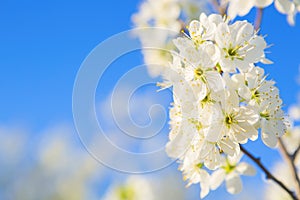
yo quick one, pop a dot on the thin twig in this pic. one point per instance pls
(289, 159)
(269, 175)
(258, 18)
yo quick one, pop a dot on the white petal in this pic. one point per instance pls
(233, 183)
(194, 27)
(239, 7)
(246, 169)
(284, 6)
(244, 33)
(229, 147)
(217, 178)
(244, 92)
(263, 3)
(248, 131)
(205, 150)
(213, 159)
(215, 18)
(223, 35)
(291, 18)
(257, 53)
(204, 190)
(266, 61)
(269, 139)
(214, 123)
(245, 7)
(179, 145)
(215, 81)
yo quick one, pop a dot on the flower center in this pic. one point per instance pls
(200, 165)
(255, 96)
(229, 119)
(228, 167)
(232, 52)
(126, 193)
(265, 115)
(207, 99)
(198, 73)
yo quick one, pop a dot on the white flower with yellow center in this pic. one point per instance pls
(204, 29)
(230, 172)
(240, 46)
(232, 120)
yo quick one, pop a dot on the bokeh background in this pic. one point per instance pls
(42, 45)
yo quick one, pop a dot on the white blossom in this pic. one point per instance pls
(230, 172)
(135, 188)
(240, 46)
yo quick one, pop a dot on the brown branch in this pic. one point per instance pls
(290, 160)
(258, 18)
(269, 175)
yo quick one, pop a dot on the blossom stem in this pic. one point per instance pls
(269, 175)
(258, 18)
(290, 160)
(218, 7)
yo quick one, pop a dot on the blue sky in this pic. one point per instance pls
(43, 43)
(42, 47)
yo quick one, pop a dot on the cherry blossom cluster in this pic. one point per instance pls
(242, 7)
(222, 99)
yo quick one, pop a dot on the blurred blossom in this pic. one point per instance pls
(135, 188)
(242, 8)
(294, 112)
(284, 174)
(169, 15)
(292, 139)
(49, 165)
(146, 187)
(53, 164)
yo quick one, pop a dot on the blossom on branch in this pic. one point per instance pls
(221, 100)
